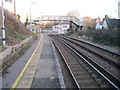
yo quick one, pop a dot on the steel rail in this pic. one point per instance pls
(117, 54)
(67, 65)
(100, 70)
(109, 59)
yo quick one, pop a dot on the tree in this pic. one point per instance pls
(18, 16)
(90, 22)
(26, 21)
(74, 13)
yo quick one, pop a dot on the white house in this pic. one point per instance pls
(32, 27)
(60, 28)
(98, 25)
(108, 24)
(105, 25)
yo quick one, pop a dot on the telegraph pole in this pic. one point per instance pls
(30, 17)
(31, 14)
(15, 7)
(3, 26)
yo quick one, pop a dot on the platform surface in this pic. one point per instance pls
(46, 75)
(37, 68)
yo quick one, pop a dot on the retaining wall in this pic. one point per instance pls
(11, 49)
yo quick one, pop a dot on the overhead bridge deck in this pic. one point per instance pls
(74, 20)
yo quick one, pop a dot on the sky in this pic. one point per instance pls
(92, 8)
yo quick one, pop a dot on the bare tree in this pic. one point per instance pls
(74, 13)
(90, 21)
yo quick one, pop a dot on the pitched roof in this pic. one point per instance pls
(113, 23)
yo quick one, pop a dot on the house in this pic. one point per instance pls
(99, 24)
(60, 28)
(113, 23)
(108, 24)
(32, 27)
(105, 24)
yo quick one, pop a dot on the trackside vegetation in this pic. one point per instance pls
(109, 37)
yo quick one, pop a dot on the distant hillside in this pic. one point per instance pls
(15, 30)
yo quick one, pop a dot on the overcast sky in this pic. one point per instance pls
(92, 8)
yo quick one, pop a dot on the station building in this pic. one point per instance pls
(60, 28)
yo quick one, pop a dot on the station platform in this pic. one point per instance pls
(43, 70)
(46, 75)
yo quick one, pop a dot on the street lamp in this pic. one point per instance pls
(3, 26)
(31, 14)
(3, 22)
(30, 17)
(15, 7)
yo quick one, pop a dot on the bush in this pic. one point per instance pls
(19, 36)
(107, 37)
(70, 32)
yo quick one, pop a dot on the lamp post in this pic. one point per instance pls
(3, 23)
(31, 13)
(30, 17)
(3, 26)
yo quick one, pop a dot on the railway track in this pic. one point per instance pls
(86, 73)
(110, 56)
(105, 62)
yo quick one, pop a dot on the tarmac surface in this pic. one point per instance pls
(46, 75)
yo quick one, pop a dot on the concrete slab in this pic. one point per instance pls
(28, 76)
(23, 86)
(25, 81)
(46, 83)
